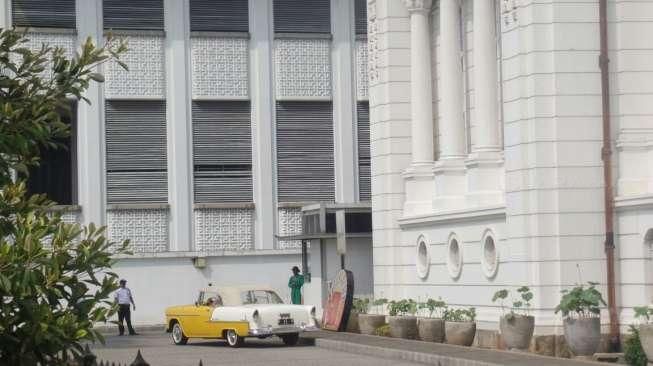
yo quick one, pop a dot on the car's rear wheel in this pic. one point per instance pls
(178, 336)
(233, 339)
(290, 339)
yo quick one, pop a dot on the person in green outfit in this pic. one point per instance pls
(295, 283)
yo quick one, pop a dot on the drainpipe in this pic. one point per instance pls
(606, 154)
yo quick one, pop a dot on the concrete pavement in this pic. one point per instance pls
(158, 350)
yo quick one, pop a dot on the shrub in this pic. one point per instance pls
(519, 306)
(402, 307)
(361, 306)
(55, 278)
(633, 352)
(435, 307)
(383, 331)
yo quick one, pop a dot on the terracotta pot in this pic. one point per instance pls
(352, 323)
(583, 335)
(517, 330)
(403, 327)
(430, 329)
(646, 339)
(460, 333)
(367, 323)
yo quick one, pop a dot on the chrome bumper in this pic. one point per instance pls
(268, 331)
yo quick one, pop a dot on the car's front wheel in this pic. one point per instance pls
(178, 336)
(290, 339)
(233, 339)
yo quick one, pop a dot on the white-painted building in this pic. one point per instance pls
(233, 116)
(486, 144)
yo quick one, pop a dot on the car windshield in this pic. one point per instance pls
(260, 297)
(210, 298)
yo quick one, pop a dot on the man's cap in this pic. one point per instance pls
(123, 281)
(295, 269)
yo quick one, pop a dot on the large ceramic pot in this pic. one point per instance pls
(517, 330)
(430, 329)
(460, 333)
(646, 338)
(352, 323)
(403, 327)
(583, 335)
(368, 323)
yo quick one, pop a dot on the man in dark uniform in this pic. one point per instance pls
(124, 299)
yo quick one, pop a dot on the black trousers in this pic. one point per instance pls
(124, 312)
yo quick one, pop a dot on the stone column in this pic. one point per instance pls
(178, 102)
(485, 77)
(419, 176)
(452, 125)
(344, 106)
(261, 81)
(91, 193)
(485, 163)
(420, 81)
(450, 183)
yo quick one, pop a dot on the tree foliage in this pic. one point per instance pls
(55, 277)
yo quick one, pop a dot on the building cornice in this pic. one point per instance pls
(624, 203)
(448, 217)
(418, 6)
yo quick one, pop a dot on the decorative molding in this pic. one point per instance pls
(220, 67)
(448, 217)
(372, 44)
(224, 229)
(418, 6)
(362, 79)
(509, 11)
(146, 229)
(146, 77)
(290, 223)
(623, 203)
(303, 67)
(209, 254)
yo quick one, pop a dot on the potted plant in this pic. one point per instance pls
(358, 306)
(402, 319)
(460, 326)
(516, 326)
(431, 328)
(645, 330)
(582, 318)
(368, 323)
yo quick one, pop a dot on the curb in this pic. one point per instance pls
(113, 329)
(396, 354)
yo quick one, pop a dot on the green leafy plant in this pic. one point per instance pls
(55, 278)
(402, 307)
(379, 304)
(581, 302)
(633, 351)
(520, 306)
(361, 306)
(644, 313)
(434, 307)
(460, 315)
(383, 331)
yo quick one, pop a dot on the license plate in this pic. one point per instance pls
(285, 319)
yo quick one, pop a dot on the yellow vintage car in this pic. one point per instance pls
(235, 313)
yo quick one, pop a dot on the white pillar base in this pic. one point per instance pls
(450, 184)
(485, 179)
(418, 185)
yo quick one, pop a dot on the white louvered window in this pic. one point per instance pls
(219, 16)
(222, 151)
(301, 16)
(364, 157)
(136, 160)
(43, 13)
(305, 162)
(134, 15)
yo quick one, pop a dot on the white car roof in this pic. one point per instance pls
(231, 294)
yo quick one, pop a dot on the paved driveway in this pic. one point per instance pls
(158, 350)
